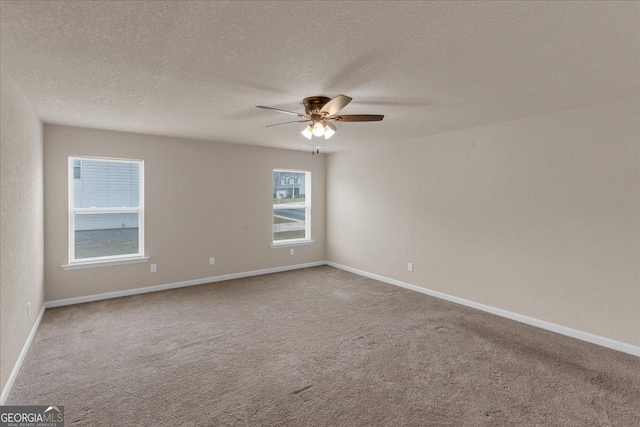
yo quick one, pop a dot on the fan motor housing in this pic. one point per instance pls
(314, 103)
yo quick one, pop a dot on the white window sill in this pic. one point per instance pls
(105, 263)
(287, 244)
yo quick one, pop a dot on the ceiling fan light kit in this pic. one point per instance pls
(329, 130)
(318, 129)
(322, 112)
(307, 132)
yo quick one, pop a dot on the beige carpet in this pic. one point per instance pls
(316, 347)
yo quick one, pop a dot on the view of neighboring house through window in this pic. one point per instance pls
(106, 202)
(291, 206)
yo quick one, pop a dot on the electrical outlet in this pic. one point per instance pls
(212, 261)
(154, 268)
(291, 251)
(28, 309)
(410, 266)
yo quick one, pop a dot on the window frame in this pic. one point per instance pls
(72, 211)
(306, 206)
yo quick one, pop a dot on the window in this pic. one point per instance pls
(291, 206)
(106, 209)
(77, 171)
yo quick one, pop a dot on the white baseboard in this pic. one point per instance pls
(23, 353)
(563, 330)
(109, 295)
(136, 291)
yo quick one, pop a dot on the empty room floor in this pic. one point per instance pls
(321, 347)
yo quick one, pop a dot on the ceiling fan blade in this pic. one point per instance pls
(335, 105)
(357, 118)
(288, 123)
(282, 111)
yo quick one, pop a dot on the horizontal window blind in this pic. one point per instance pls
(105, 184)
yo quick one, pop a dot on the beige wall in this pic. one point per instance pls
(202, 199)
(538, 216)
(21, 219)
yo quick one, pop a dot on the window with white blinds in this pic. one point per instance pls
(106, 209)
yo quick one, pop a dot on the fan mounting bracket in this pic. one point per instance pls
(313, 104)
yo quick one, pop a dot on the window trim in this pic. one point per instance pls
(306, 206)
(71, 211)
(93, 264)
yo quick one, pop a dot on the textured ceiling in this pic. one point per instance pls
(198, 69)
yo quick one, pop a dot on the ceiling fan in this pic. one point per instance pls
(321, 112)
